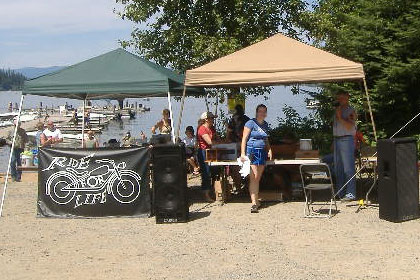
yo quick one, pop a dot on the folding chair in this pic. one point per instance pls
(316, 177)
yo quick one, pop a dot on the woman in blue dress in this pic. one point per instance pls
(256, 147)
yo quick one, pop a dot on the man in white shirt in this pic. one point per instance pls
(51, 135)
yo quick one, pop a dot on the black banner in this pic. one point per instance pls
(93, 182)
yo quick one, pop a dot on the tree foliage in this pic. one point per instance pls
(10, 80)
(294, 127)
(384, 35)
(185, 34)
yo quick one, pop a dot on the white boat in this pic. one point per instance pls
(28, 117)
(8, 117)
(97, 116)
(65, 135)
(5, 123)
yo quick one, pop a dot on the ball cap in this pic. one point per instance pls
(207, 115)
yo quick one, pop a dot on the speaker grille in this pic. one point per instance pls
(167, 171)
(407, 180)
(168, 199)
(398, 179)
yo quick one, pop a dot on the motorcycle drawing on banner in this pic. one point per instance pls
(110, 178)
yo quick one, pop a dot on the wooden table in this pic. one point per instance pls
(28, 168)
(222, 171)
(269, 162)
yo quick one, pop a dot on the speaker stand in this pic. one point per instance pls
(364, 204)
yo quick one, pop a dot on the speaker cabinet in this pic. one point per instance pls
(170, 193)
(398, 185)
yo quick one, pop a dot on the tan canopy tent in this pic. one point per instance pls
(274, 61)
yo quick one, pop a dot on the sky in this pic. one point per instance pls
(42, 33)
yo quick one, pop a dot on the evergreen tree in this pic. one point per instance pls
(10, 80)
(384, 35)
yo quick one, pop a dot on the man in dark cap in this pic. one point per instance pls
(236, 125)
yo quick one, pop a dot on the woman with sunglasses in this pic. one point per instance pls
(256, 147)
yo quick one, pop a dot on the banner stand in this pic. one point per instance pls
(83, 121)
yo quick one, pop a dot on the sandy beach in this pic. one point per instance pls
(220, 242)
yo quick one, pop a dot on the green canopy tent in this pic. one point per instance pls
(113, 75)
(117, 74)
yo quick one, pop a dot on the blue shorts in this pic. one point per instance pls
(257, 156)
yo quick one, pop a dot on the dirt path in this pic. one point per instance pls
(221, 242)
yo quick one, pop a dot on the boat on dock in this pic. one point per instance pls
(6, 119)
(125, 114)
(4, 123)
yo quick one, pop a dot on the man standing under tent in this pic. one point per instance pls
(344, 130)
(20, 142)
(236, 125)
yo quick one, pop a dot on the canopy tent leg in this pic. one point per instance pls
(370, 109)
(178, 127)
(171, 116)
(10, 157)
(83, 122)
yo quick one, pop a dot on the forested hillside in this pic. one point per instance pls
(10, 80)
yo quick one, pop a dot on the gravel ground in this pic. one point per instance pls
(221, 242)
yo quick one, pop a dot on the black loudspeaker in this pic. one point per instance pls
(398, 185)
(170, 193)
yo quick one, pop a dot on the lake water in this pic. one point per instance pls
(193, 108)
